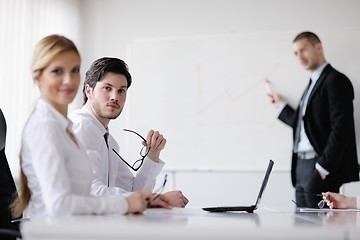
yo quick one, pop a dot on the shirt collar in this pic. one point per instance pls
(96, 121)
(316, 74)
(53, 113)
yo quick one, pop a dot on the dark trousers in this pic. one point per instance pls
(309, 184)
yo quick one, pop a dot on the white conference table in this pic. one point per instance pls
(194, 223)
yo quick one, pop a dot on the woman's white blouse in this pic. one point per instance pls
(58, 171)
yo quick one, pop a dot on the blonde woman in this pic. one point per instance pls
(56, 173)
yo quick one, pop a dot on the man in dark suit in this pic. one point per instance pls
(324, 153)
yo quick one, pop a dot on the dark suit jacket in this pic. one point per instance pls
(329, 125)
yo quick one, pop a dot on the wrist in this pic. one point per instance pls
(154, 157)
(351, 202)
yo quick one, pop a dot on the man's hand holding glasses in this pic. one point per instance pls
(155, 142)
(152, 147)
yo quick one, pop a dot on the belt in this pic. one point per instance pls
(306, 155)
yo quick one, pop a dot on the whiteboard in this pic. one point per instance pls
(206, 95)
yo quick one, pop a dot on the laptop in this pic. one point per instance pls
(251, 208)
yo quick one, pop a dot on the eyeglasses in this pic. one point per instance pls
(158, 191)
(320, 204)
(143, 153)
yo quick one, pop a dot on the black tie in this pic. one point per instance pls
(106, 135)
(299, 119)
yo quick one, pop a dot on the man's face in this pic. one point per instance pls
(309, 55)
(108, 97)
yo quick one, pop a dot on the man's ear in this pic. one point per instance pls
(319, 47)
(88, 91)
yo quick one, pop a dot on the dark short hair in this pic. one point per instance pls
(312, 37)
(100, 67)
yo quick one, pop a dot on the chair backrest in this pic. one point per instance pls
(8, 190)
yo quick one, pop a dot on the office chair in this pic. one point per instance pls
(8, 190)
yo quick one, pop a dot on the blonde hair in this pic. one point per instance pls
(45, 51)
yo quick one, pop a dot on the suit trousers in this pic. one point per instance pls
(309, 185)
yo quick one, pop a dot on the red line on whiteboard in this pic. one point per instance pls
(226, 94)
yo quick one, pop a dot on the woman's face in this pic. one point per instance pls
(59, 81)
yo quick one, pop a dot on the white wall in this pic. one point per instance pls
(110, 26)
(22, 24)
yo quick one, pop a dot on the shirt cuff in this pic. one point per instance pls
(152, 168)
(281, 107)
(321, 169)
(358, 202)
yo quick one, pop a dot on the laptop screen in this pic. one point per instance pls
(265, 181)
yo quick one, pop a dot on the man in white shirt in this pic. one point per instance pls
(105, 89)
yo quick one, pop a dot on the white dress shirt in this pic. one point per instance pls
(304, 143)
(58, 170)
(111, 174)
